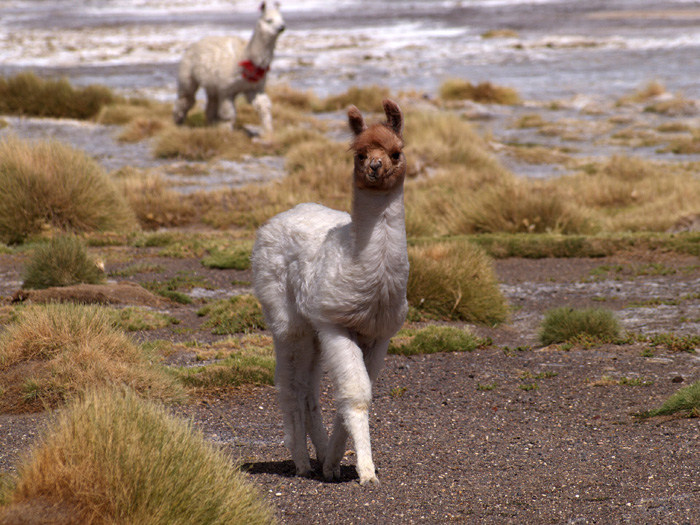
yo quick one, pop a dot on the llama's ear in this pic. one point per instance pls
(394, 116)
(357, 123)
(262, 7)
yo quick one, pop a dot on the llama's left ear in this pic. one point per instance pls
(262, 7)
(357, 123)
(394, 116)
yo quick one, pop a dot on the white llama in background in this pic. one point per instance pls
(227, 66)
(333, 291)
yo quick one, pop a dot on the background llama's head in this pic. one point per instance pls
(379, 160)
(270, 22)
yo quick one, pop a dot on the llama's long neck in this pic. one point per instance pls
(378, 225)
(260, 49)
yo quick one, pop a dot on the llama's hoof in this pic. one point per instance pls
(372, 481)
(304, 471)
(331, 473)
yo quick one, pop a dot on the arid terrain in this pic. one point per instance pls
(510, 433)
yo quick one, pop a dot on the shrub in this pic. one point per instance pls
(63, 261)
(236, 258)
(365, 98)
(687, 399)
(433, 339)
(455, 280)
(240, 313)
(203, 143)
(50, 184)
(55, 351)
(522, 207)
(565, 323)
(484, 92)
(114, 458)
(155, 205)
(28, 95)
(249, 360)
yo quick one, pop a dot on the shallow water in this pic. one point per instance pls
(562, 48)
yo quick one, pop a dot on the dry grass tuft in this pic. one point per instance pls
(652, 90)
(113, 458)
(55, 351)
(28, 95)
(525, 207)
(203, 143)
(455, 280)
(142, 128)
(365, 98)
(485, 92)
(48, 184)
(156, 206)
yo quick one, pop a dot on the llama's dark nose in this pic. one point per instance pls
(281, 28)
(375, 164)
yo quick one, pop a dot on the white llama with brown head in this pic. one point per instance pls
(333, 290)
(226, 66)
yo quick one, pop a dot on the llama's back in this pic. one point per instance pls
(211, 62)
(285, 262)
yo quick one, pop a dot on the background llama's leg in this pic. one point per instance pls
(293, 373)
(227, 110)
(314, 419)
(261, 103)
(212, 109)
(185, 101)
(345, 363)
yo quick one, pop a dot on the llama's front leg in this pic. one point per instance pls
(345, 364)
(261, 103)
(227, 111)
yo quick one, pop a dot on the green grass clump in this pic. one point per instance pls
(237, 258)
(434, 339)
(132, 319)
(51, 185)
(63, 261)
(485, 92)
(246, 368)
(455, 280)
(55, 351)
(565, 324)
(113, 458)
(687, 399)
(28, 95)
(238, 314)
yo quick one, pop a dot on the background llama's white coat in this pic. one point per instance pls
(333, 291)
(227, 66)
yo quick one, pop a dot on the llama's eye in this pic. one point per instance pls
(396, 156)
(361, 157)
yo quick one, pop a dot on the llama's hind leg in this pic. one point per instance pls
(292, 377)
(314, 419)
(346, 366)
(185, 101)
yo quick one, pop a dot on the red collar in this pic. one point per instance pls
(251, 72)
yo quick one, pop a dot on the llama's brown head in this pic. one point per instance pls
(379, 160)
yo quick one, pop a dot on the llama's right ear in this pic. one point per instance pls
(357, 123)
(394, 116)
(262, 7)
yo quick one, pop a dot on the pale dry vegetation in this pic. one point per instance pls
(115, 458)
(53, 352)
(48, 185)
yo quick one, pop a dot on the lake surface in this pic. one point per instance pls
(562, 48)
